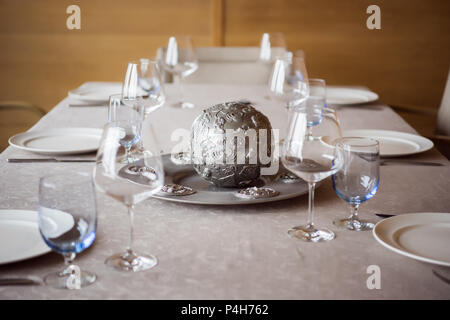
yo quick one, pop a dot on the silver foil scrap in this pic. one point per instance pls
(257, 193)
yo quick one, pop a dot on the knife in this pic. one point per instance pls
(381, 215)
(26, 160)
(20, 282)
(89, 105)
(411, 162)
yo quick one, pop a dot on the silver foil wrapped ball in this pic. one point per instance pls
(225, 140)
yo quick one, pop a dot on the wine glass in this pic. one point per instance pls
(315, 103)
(180, 60)
(272, 45)
(288, 82)
(130, 116)
(129, 183)
(68, 223)
(312, 157)
(358, 179)
(143, 85)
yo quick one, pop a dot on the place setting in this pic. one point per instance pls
(236, 153)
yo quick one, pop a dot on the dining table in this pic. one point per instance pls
(236, 251)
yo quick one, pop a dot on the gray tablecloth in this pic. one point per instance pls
(215, 252)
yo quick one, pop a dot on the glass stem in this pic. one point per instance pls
(311, 187)
(354, 211)
(130, 239)
(127, 153)
(309, 132)
(68, 260)
(177, 79)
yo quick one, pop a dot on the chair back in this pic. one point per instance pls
(226, 65)
(443, 119)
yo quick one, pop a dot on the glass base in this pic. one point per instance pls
(64, 280)
(354, 224)
(311, 234)
(131, 261)
(184, 105)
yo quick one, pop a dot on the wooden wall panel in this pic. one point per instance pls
(40, 59)
(406, 61)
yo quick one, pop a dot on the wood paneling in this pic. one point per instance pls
(406, 61)
(40, 59)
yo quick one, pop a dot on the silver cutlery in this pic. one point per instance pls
(28, 160)
(381, 215)
(441, 277)
(26, 281)
(384, 162)
(88, 105)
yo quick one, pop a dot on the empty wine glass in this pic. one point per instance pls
(358, 179)
(288, 82)
(311, 157)
(129, 183)
(130, 117)
(272, 46)
(180, 60)
(68, 222)
(143, 85)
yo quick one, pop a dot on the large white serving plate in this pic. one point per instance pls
(394, 143)
(348, 96)
(95, 92)
(421, 236)
(60, 141)
(19, 236)
(208, 194)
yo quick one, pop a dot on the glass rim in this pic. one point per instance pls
(317, 80)
(87, 176)
(339, 143)
(146, 60)
(300, 109)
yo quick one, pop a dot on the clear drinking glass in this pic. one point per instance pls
(68, 223)
(143, 85)
(272, 46)
(130, 116)
(288, 82)
(311, 156)
(129, 183)
(180, 60)
(358, 179)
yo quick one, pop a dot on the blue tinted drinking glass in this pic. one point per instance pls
(358, 179)
(67, 223)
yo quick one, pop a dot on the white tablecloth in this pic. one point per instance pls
(215, 252)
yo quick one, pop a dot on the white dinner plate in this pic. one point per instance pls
(421, 236)
(394, 143)
(19, 236)
(60, 141)
(95, 92)
(348, 96)
(208, 194)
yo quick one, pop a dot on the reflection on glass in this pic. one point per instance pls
(272, 46)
